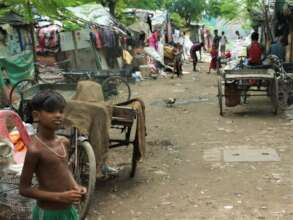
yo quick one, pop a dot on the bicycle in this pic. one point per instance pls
(115, 88)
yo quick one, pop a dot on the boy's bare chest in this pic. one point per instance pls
(51, 161)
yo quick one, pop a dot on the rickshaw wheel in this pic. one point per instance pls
(116, 90)
(275, 96)
(85, 174)
(16, 93)
(220, 95)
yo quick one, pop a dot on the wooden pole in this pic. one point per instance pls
(32, 33)
(75, 50)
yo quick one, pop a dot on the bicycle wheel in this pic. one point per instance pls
(17, 91)
(85, 174)
(116, 90)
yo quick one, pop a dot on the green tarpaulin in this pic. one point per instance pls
(18, 67)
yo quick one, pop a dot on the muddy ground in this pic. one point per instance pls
(184, 175)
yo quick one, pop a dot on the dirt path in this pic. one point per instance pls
(184, 175)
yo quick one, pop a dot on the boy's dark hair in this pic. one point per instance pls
(223, 32)
(48, 100)
(254, 36)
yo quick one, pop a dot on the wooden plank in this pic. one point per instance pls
(249, 76)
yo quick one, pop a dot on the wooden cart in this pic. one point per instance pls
(234, 86)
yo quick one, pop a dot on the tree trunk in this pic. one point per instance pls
(112, 6)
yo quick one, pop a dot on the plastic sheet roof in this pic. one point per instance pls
(159, 17)
(96, 13)
(12, 19)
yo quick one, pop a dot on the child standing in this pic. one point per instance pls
(214, 60)
(47, 159)
(177, 52)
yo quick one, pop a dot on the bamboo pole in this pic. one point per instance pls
(32, 33)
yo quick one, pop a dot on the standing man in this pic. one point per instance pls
(223, 42)
(149, 21)
(239, 37)
(195, 47)
(216, 40)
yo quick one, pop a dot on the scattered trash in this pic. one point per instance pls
(226, 130)
(228, 207)
(160, 172)
(166, 203)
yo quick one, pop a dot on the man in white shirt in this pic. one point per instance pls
(223, 42)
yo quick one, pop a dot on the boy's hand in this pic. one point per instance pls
(82, 190)
(71, 196)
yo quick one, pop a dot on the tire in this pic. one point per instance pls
(220, 96)
(116, 90)
(16, 93)
(85, 175)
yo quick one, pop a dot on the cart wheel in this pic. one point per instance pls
(275, 96)
(85, 174)
(116, 90)
(220, 96)
(16, 93)
(135, 156)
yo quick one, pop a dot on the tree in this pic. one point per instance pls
(230, 9)
(188, 9)
(145, 4)
(50, 8)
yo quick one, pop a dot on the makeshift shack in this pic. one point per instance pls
(195, 32)
(95, 47)
(99, 47)
(16, 55)
(148, 59)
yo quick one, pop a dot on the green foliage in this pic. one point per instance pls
(177, 19)
(50, 8)
(230, 9)
(145, 4)
(188, 9)
(213, 9)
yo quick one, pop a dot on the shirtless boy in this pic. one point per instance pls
(47, 158)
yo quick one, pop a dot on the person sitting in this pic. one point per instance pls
(254, 51)
(277, 48)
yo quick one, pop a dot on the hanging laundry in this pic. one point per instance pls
(109, 39)
(98, 41)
